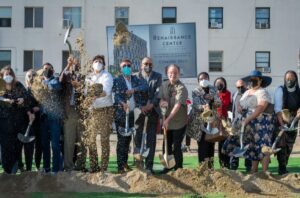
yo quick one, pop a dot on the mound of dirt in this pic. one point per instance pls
(194, 181)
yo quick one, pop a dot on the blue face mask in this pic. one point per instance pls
(126, 71)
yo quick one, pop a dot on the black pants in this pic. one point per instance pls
(174, 139)
(28, 151)
(205, 149)
(123, 143)
(10, 146)
(151, 136)
(224, 159)
(187, 140)
(286, 145)
(234, 164)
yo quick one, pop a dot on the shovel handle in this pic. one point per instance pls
(277, 139)
(145, 124)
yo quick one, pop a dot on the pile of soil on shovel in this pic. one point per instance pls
(193, 181)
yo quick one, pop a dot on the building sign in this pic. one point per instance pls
(165, 43)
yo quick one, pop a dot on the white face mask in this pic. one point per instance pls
(97, 66)
(8, 79)
(204, 83)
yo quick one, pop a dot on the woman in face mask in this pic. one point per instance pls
(13, 120)
(259, 120)
(225, 97)
(205, 97)
(287, 96)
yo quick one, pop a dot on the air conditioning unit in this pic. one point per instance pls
(215, 25)
(265, 69)
(66, 23)
(262, 25)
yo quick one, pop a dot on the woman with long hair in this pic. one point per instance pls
(13, 120)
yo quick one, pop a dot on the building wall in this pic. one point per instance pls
(238, 39)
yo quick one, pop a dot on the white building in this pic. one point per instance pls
(233, 36)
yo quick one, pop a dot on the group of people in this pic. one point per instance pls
(139, 102)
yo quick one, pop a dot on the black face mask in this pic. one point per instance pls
(48, 73)
(148, 69)
(220, 87)
(253, 83)
(241, 90)
(290, 83)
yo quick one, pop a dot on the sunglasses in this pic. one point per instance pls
(239, 87)
(147, 64)
(126, 66)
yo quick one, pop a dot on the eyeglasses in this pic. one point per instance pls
(126, 66)
(147, 64)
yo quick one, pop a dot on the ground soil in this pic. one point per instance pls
(193, 181)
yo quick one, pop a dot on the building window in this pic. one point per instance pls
(262, 61)
(262, 18)
(33, 59)
(121, 15)
(5, 58)
(169, 15)
(215, 61)
(65, 56)
(72, 15)
(215, 18)
(5, 16)
(33, 17)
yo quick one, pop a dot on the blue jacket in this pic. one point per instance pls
(119, 90)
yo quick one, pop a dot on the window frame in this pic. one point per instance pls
(11, 10)
(210, 18)
(6, 50)
(162, 15)
(120, 18)
(269, 62)
(71, 7)
(76, 54)
(33, 17)
(222, 61)
(256, 18)
(32, 60)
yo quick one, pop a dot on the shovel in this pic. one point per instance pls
(168, 161)
(240, 151)
(66, 41)
(25, 138)
(144, 151)
(272, 150)
(126, 131)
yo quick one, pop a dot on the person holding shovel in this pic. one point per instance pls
(287, 96)
(259, 120)
(150, 110)
(205, 98)
(173, 95)
(14, 105)
(128, 92)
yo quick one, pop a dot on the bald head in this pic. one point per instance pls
(240, 83)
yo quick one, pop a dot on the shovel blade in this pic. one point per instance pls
(169, 161)
(145, 152)
(25, 139)
(239, 152)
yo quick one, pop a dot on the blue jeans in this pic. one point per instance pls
(51, 131)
